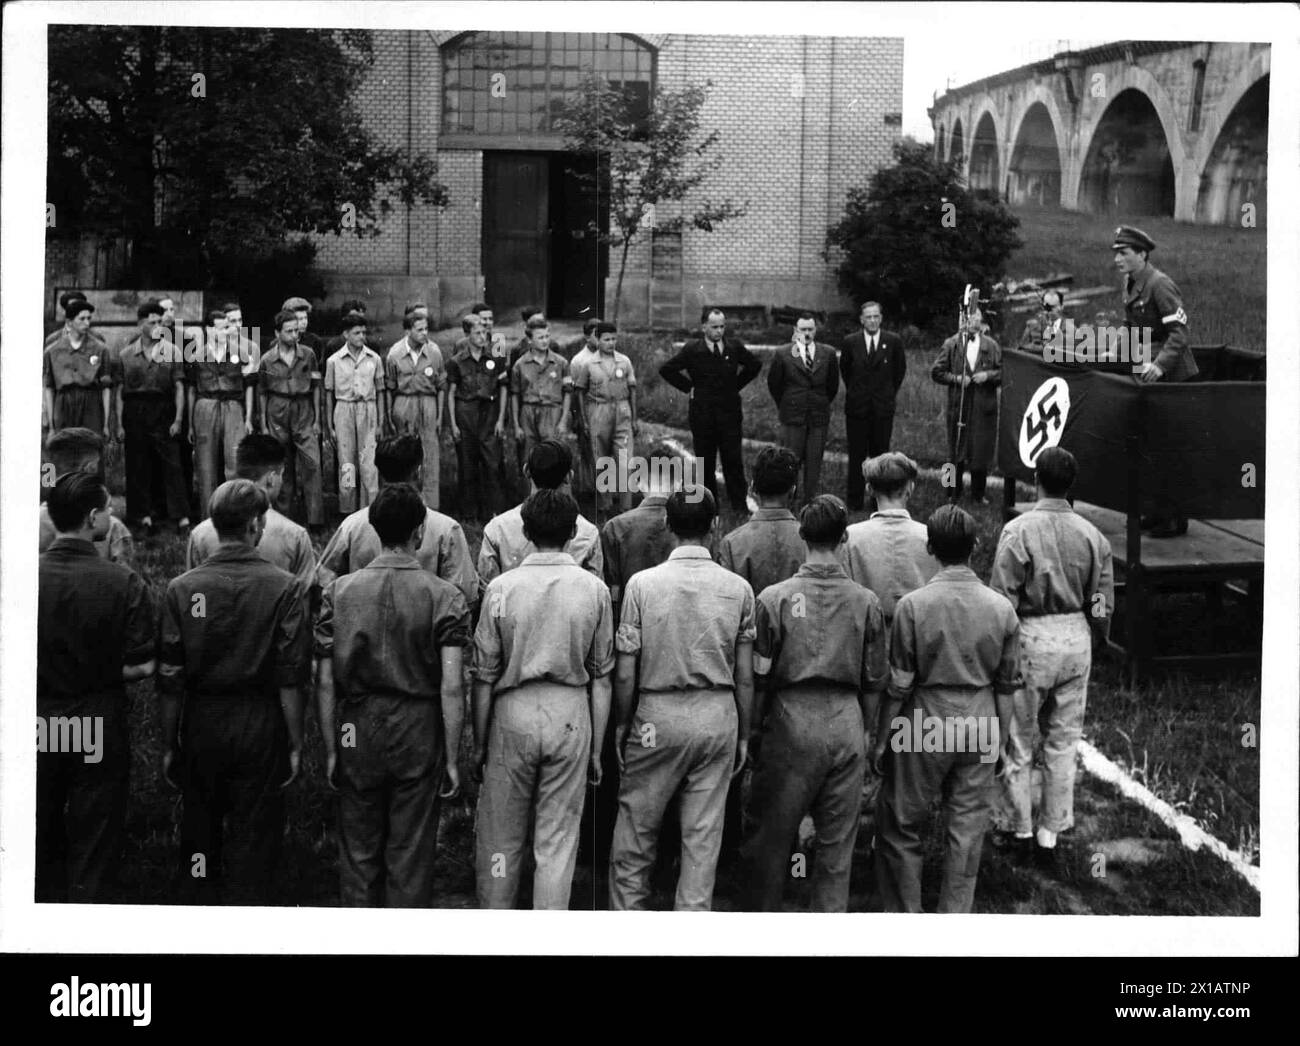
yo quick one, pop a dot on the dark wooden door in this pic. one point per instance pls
(578, 258)
(516, 244)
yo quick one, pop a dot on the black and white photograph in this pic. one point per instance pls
(810, 462)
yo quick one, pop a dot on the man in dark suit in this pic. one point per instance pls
(803, 379)
(714, 369)
(970, 364)
(873, 365)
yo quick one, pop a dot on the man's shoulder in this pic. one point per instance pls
(281, 524)
(586, 528)
(439, 522)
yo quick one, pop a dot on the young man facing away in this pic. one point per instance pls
(683, 690)
(543, 654)
(81, 450)
(390, 638)
(954, 666)
(505, 545)
(1057, 570)
(234, 652)
(767, 548)
(94, 634)
(820, 658)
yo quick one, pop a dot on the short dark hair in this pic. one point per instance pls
(691, 511)
(235, 504)
(398, 457)
(480, 306)
(216, 314)
(867, 304)
(549, 463)
(890, 472)
(350, 320)
(806, 316)
(1055, 470)
(152, 307)
(951, 533)
(232, 306)
(413, 316)
(776, 470)
(605, 328)
(529, 311)
(589, 325)
(396, 513)
(285, 316)
(469, 321)
(73, 498)
(353, 305)
(823, 520)
(69, 450)
(68, 297)
(709, 311)
(79, 305)
(549, 517)
(258, 454)
(537, 323)
(414, 306)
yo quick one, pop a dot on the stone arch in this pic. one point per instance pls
(1128, 168)
(1235, 172)
(983, 165)
(957, 145)
(1035, 171)
(1212, 126)
(1135, 81)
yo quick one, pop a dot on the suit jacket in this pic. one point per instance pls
(870, 385)
(714, 384)
(979, 408)
(803, 396)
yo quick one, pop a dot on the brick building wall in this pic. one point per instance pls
(774, 99)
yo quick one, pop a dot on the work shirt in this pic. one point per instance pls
(820, 628)
(295, 378)
(284, 543)
(385, 626)
(85, 367)
(253, 636)
(765, 550)
(542, 381)
(147, 368)
(604, 377)
(477, 379)
(684, 618)
(634, 541)
(886, 554)
(62, 332)
(504, 545)
(547, 621)
(1051, 560)
(408, 373)
(117, 545)
(221, 371)
(954, 633)
(353, 378)
(92, 618)
(444, 552)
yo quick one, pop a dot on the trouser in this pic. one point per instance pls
(868, 436)
(682, 741)
(81, 806)
(234, 759)
(78, 407)
(808, 442)
(913, 780)
(478, 458)
(218, 428)
(978, 480)
(1055, 661)
(289, 422)
(388, 781)
(355, 422)
(584, 467)
(539, 421)
(539, 748)
(813, 759)
(715, 435)
(418, 416)
(609, 430)
(152, 456)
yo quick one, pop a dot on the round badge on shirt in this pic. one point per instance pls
(428, 372)
(553, 374)
(618, 373)
(94, 360)
(490, 365)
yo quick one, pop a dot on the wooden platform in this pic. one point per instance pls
(1226, 547)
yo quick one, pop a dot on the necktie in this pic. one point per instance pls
(808, 356)
(871, 348)
(717, 349)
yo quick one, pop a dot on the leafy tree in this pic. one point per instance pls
(642, 160)
(211, 148)
(917, 235)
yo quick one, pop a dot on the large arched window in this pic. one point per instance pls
(511, 83)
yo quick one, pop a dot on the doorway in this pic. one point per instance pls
(537, 246)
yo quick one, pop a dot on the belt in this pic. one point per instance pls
(290, 395)
(237, 394)
(359, 399)
(146, 395)
(475, 399)
(680, 690)
(416, 395)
